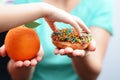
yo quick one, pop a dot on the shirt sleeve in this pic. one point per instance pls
(102, 16)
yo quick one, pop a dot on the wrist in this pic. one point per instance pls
(45, 9)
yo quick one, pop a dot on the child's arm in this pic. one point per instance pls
(15, 15)
(88, 63)
(89, 66)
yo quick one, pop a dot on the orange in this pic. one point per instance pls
(22, 43)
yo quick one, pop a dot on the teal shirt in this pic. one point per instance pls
(55, 67)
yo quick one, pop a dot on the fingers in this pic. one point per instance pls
(40, 56)
(82, 25)
(92, 45)
(51, 24)
(73, 21)
(56, 51)
(78, 24)
(2, 51)
(74, 53)
(80, 53)
(33, 62)
(26, 63)
(63, 51)
(18, 64)
(70, 52)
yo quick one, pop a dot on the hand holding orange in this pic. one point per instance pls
(22, 43)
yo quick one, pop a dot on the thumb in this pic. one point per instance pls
(92, 45)
(2, 51)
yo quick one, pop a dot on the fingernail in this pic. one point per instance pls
(89, 31)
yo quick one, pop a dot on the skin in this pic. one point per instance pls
(16, 15)
(87, 63)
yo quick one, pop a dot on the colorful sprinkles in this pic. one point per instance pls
(70, 35)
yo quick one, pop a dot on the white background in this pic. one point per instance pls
(111, 65)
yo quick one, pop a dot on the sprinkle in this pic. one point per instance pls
(70, 35)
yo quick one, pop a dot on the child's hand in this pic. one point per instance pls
(58, 15)
(73, 53)
(24, 68)
(2, 51)
(68, 19)
(32, 62)
(26, 63)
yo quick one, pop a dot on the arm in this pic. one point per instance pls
(19, 73)
(89, 67)
(88, 63)
(15, 15)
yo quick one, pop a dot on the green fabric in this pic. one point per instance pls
(56, 67)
